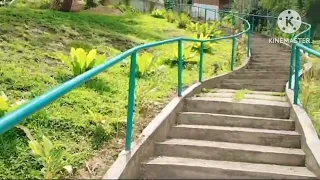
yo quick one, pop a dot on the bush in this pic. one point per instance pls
(205, 30)
(170, 16)
(182, 20)
(157, 13)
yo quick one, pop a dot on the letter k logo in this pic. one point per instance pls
(288, 21)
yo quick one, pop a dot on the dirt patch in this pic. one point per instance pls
(104, 10)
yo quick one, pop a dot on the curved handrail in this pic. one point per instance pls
(296, 47)
(13, 118)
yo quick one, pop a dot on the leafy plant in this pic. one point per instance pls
(170, 16)
(157, 13)
(182, 20)
(4, 106)
(187, 56)
(207, 48)
(80, 61)
(146, 64)
(51, 156)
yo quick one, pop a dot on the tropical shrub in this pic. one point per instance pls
(80, 61)
(157, 13)
(182, 20)
(187, 56)
(170, 16)
(146, 64)
(51, 156)
(205, 29)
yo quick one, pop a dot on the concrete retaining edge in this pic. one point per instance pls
(127, 165)
(310, 142)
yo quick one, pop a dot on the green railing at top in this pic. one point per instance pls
(13, 118)
(256, 22)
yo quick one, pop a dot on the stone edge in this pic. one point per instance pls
(310, 142)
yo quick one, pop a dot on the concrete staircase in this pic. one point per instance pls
(220, 136)
(268, 69)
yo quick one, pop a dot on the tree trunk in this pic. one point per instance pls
(66, 5)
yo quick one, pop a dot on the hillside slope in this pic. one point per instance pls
(29, 42)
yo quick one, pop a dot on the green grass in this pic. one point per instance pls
(30, 40)
(310, 93)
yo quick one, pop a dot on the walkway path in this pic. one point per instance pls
(218, 138)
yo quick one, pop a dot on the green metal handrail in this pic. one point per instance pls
(13, 118)
(296, 47)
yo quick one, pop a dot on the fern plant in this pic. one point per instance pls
(182, 20)
(157, 13)
(80, 61)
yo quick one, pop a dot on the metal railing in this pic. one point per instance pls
(13, 118)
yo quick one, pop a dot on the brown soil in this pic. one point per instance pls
(104, 10)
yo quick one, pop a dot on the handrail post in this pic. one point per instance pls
(309, 36)
(293, 45)
(248, 42)
(180, 54)
(296, 76)
(131, 100)
(252, 24)
(201, 62)
(233, 52)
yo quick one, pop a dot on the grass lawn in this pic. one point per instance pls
(30, 41)
(310, 93)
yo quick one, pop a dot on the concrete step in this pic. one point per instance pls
(247, 95)
(268, 66)
(256, 81)
(210, 119)
(187, 168)
(280, 62)
(265, 137)
(225, 151)
(282, 56)
(245, 107)
(252, 92)
(259, 76)
(265, 71)
(254, 87)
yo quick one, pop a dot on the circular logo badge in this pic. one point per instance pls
(289, 21)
